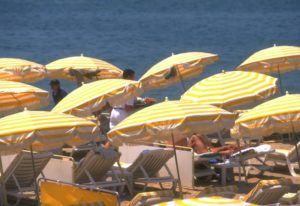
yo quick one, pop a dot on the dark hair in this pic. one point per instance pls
(54, 82)
(128, 73)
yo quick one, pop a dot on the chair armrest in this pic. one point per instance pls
(62, 157)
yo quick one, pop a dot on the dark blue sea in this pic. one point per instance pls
(136, 34)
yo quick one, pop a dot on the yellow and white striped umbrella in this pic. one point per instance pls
(280, 115)
(21, 70)
(232, 89)
(92, 97)
(15, 96)
(272, 60)
(160, 121)
(44, 130)
(60, 69)
(176, 68)
(203, 201)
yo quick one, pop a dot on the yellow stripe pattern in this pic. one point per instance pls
(180, 118)
(15, 96)
(21, 70)
(142, 197)
(60, 68)
(44, 130)
(188, 65)
(264, 184)
(211, 201)
(231, 89)
(91, 97)
(280, 115)
(270, 60)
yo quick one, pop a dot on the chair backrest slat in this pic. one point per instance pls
(96, 164)
(269, 195)
(152, 161)
(21, 168)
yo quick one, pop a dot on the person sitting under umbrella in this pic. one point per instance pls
(122, 111)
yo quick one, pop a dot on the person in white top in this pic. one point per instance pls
(120, 112)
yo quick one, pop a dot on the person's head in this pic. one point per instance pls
(55, 84)
(128, 74)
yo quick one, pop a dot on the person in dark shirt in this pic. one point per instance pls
(57, 92)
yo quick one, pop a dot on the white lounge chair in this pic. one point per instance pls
(285, 157)
(246, 156)
(203, 161)
(241, 159)
(258, 152)
(19, 177)
(145, 168)
(93, 169)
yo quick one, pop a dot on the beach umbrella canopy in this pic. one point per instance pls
(280, 115)
(44, 131)
(276, 59)
(232, 89)
(41, 131)
(272, 60)
(160, 121)
(206, 201)
(92, 97)
(176, 68)
(66, 68)
(15, 96)
(20, 70)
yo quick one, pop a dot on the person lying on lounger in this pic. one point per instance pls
(201, 144)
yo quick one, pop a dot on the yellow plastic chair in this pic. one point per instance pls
(65, 194)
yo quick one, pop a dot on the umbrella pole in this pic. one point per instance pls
(34, 174)
(177, 168)
(296, 145)
(181, 80)
(183, 85)
(280, 83)
(4, 197)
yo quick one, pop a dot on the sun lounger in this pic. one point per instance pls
(79, 152)
(266, 192)
(146, 166)
(55, 193)
(93, 169)
(150, 198)
(241, 159)
(286, 157)
(246, 156)
(19, 177)
(202, 161)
